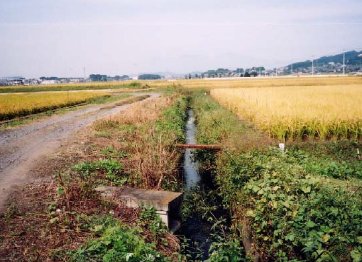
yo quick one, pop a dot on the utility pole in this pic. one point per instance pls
(344, 62)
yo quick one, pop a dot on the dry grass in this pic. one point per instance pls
(144, 112)
(152, 161)
(13, 105)
(299, 112)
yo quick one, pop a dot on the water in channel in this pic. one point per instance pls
(195, 230)
(192, 177)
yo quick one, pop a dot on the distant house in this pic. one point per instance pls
(49, 82)
(75, 79)
(12, 81)
(118, 78)
(30, 82)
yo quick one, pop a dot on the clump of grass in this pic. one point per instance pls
(108, 169)
(117, 242)
(147, 239)
(146, 133)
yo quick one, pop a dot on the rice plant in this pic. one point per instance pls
(14, 105)
(292, 113)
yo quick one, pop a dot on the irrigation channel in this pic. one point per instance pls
(195, 228)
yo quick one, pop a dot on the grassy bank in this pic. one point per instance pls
(146, 135)
(282, 206)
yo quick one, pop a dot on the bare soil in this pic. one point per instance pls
(27, 149)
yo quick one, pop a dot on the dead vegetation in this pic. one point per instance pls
(151, 161)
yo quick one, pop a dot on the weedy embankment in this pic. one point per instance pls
(284, 205)
(66, 219)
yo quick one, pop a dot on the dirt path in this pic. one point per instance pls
(21, 148)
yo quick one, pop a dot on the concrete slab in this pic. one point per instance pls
(166, 203)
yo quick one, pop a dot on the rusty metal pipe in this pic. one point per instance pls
(198, 146)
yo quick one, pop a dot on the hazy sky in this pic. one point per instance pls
(60, 37)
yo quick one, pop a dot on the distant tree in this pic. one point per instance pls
(125, 77)
(259, 68)
(149, 77)
(239, 70)
(211, 72)
(49, 78)
(222, 71)
(98, 77)
(246, 74)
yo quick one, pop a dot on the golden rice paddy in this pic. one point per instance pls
(298, 112)
(13, 105)
(247, 82)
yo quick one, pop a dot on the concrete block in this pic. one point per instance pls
(166, 203)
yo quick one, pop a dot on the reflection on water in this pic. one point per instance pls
(192, 177)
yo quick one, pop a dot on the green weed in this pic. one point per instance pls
(111, 169)
(294, 213)
(116, 242)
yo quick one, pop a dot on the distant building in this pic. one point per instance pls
(31, 82)
(49, 82)
(12, 81)
(74, 80)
